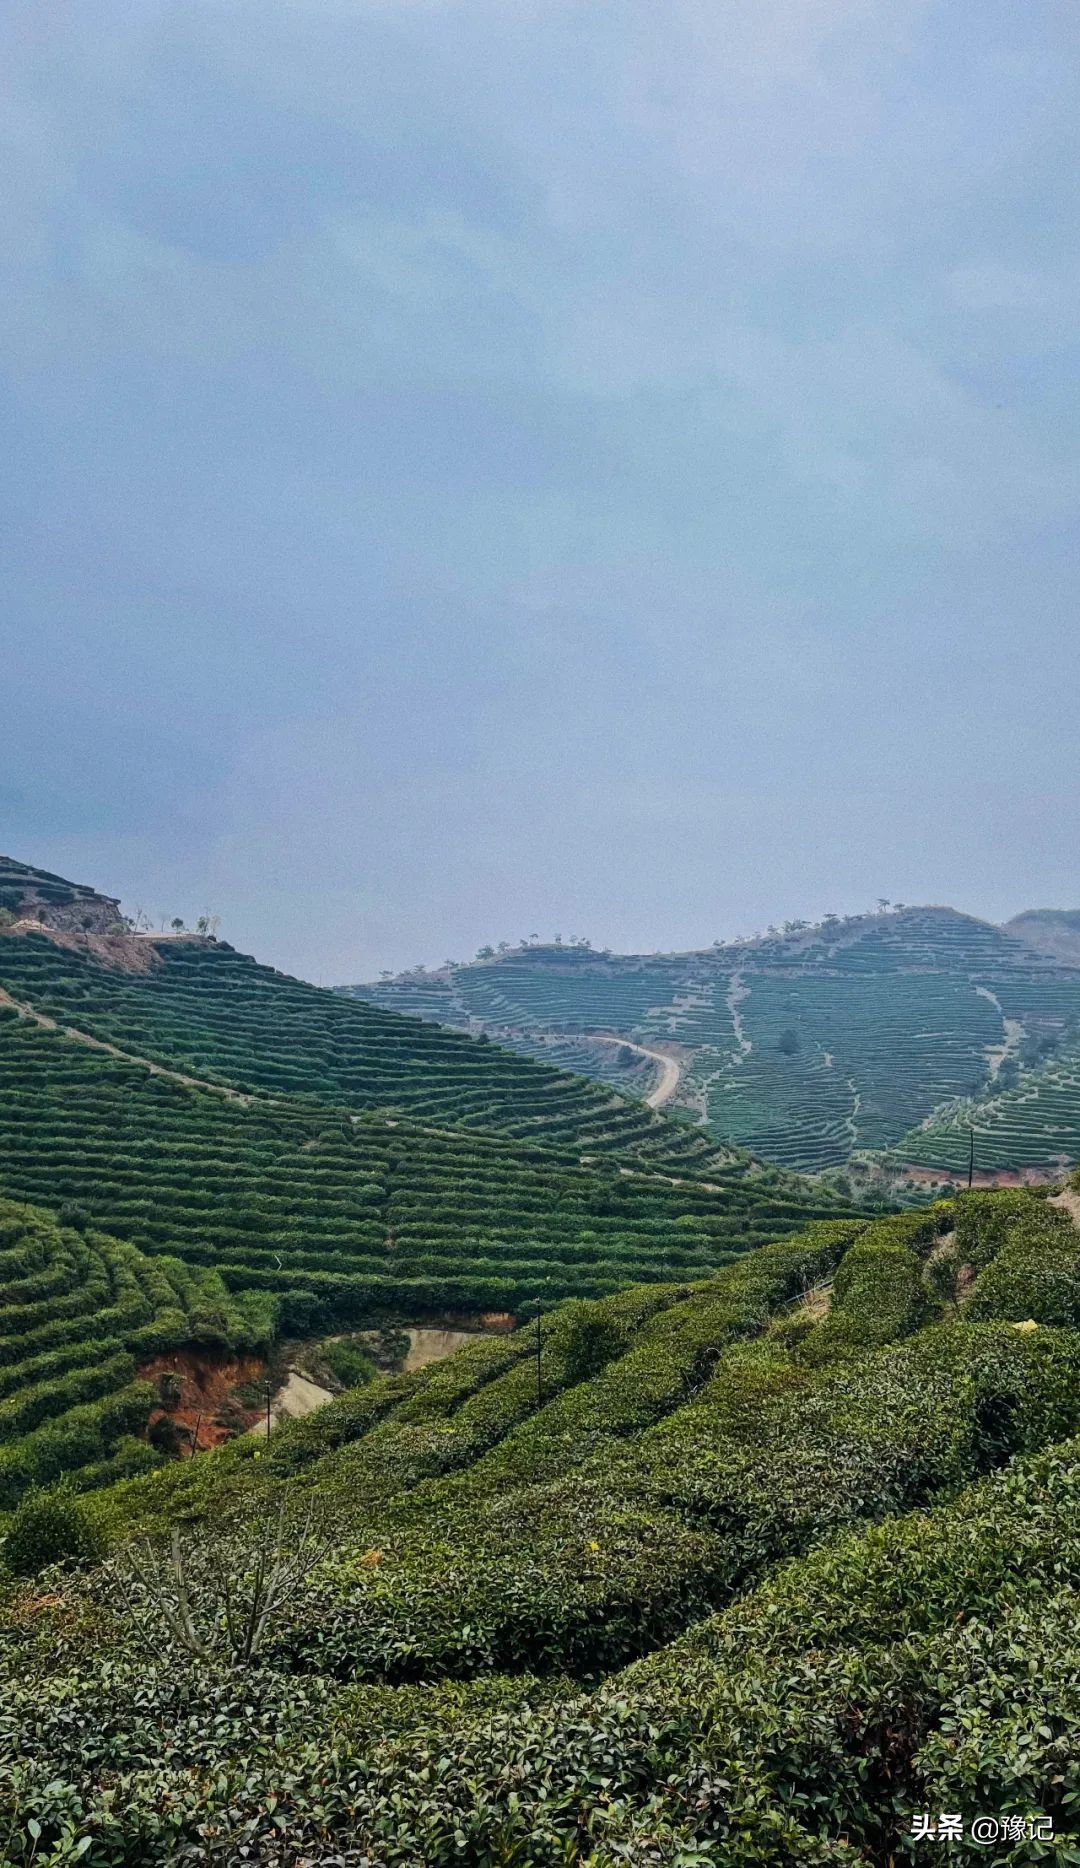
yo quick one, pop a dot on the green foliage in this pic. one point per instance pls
(49, 1527)
(724, 1601)
(1026, 1253)
(78, 1312)
(593, 1339)
(879, 1292)
(985, 1222)
(350, 1363)
(1032, 1281)
(298, 1212)
(807, 1051)
(774, 1547)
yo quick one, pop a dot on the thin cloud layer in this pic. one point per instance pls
(540, 465)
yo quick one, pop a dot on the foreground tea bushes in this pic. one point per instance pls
(578, 1573)
(832, 1634)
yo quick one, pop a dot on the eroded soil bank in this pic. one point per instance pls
(209, 1397)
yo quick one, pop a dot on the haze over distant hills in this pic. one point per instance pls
(891, 1034)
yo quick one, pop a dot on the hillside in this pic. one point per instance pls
(807, 1048)
(224, 1156)
(749, 1573)
(1028, 1130)
(34, 895)
(1051, 931)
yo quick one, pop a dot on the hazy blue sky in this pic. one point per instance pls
(475, 467)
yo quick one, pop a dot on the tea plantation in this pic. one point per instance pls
(1033, 1124)
(757, 1570)
(181, 1205)
(79, 1311)
(814, 1046)
(356, 1210)
(202, 1009)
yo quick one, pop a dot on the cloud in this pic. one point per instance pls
(467, 410)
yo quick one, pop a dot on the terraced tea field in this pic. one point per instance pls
(836, 1041)
(218, 1155)
(1032, 1126)
(217, 1015)
(79, 1311)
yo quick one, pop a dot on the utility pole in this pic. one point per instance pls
(539, 1345)
(971, 1160)
(268, 1410)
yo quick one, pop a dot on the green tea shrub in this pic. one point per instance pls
(593, 1339)
(879, 1292)
(986, 1222)
(1031, 1281)
(49, 1527)
(352, 1364)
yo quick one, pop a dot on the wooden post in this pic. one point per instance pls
(971, 1160)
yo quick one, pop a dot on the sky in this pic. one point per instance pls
(478, 469)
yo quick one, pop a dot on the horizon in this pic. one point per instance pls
(159, 923)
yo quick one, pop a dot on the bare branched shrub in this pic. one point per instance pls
(220, 1595)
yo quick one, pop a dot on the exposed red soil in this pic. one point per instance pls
(207, 1384)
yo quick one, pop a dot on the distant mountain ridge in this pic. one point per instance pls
(856, 1036)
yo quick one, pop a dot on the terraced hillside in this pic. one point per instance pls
(79, 1313)
(1030, 1127)
(256, 1157)
(28, 894)
(203, 1009)
(753, 1573)
(1052, 931)
(830, 1042)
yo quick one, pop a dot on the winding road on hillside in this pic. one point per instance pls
(670, 1072)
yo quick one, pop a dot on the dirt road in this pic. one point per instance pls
(670, 1072)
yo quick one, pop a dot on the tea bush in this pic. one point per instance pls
(730, 1599)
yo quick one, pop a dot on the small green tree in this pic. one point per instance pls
(164, 1436)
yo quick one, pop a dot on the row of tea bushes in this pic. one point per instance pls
(801, 1692)
(79, 1312)
(348, 1219)
(220, 1016)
